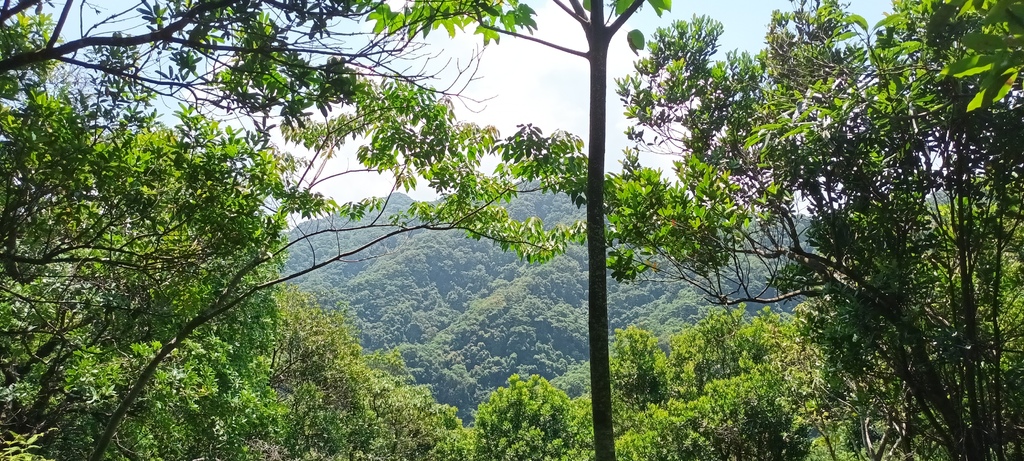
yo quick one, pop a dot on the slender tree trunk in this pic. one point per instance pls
(1001, 444)
(600, 374)
(974, 435)
(1018, 443)
(907, 444)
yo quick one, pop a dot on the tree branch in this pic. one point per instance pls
(619, 21)
(574, 14)
(578, 8)
(533, 39)
(46, 54)
(18, 8)
(55, 35)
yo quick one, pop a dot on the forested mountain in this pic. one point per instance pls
(466, 315)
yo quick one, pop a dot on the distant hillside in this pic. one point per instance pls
(466, 315)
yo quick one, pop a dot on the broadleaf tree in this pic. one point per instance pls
(142, 236)
(841, 168)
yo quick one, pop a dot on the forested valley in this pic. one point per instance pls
(831, 270)
(464, 315)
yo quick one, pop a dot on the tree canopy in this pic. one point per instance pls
(845, 164)
(130, 238)
(864, 180)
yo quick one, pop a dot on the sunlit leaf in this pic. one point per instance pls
(890, 20)
(970, 65)
(660, 6)
(622, 5)
(857, 20)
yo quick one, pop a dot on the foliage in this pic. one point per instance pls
(465, 315)
(107, 253)
(856, 179)
(639, 369)
(138, 249)
(997, 47)
(516, 19)
(529, 420)
(252, 58)
(140, 252)
(18, 448)
(726, 394)
(339, 403)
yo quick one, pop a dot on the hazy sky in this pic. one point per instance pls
(530, 83)
(524, 82)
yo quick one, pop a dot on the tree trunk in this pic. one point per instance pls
(600, 374)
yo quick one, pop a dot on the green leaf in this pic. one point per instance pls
(1015, 19)
(910, 46)
(995, 87)
(622, 5)
(890, 20)
(984, 42)
(586, 5)
(977, 102)
(488, 34)
(970, 65)
(636, 40)
(660, 6)
(858, 20)
(846, 36)
(1007, 78)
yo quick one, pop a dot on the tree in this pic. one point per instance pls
(492, 20)
(319, 372)
(107, 251)
(529, 420)
(855, 178)
(639, 369)
(728, 394)
(735, 378)
(342, 404)
(253, 58)
(127, 237)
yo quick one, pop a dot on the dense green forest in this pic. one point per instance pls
(832, 269)
(466, 315)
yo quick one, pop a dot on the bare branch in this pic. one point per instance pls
(55, 35)
(46, 54)
(578, 8)
(533, 39)
(582, 19)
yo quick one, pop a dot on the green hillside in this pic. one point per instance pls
(466, 315)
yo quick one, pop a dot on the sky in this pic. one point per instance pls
(525, 82)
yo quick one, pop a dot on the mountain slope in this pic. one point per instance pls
(466, 315)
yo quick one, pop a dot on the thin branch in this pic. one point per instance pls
(575, 15)
(619, 21)
(32, 57)
(126, 75)
(55, 35)
(533, 39)
(578, 8)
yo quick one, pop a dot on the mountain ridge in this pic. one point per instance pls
(466, 315)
